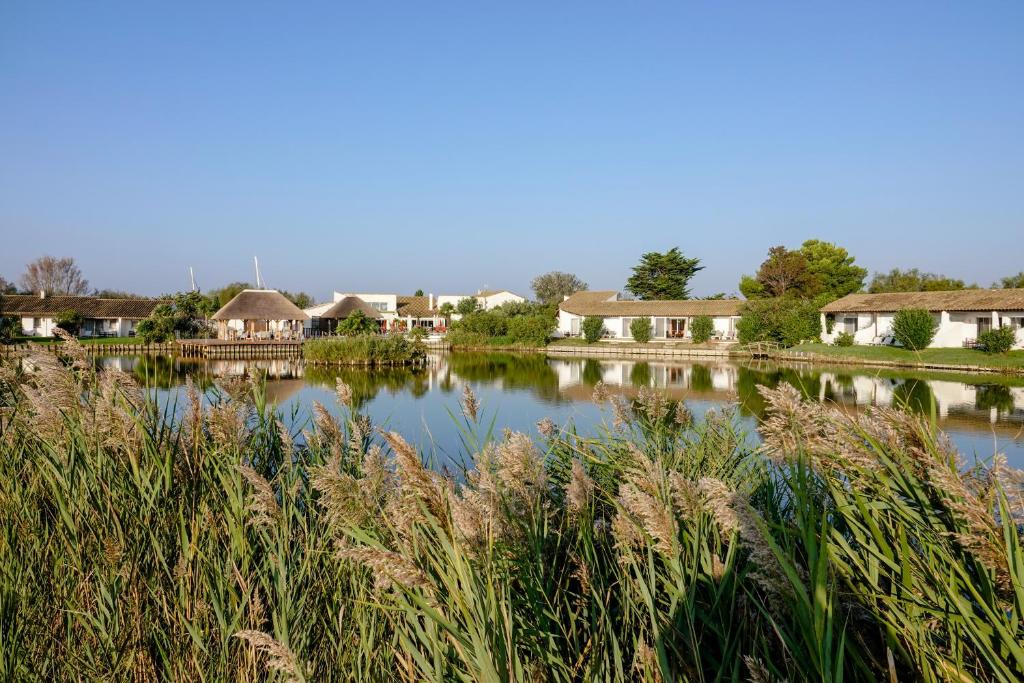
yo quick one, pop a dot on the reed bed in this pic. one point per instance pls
(366, 349)
(228, 545)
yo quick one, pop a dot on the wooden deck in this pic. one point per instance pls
(240, 349)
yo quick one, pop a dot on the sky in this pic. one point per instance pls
(450, 146)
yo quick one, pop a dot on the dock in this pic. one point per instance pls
(239, 349)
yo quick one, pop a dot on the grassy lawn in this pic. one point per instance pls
(86, 340)
(1013, 359)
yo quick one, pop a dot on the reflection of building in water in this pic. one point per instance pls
(692, 377)
(276, 368)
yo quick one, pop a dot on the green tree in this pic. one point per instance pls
(640, 328)
(751, 288)
(786, 321)
(913, 280)
(7, 287)
(228, 292)
(663, 276)
(300, 299)
(833, 268)
(117, 294)
(446, 311)
(357, 323)
(999, 340)
(1012, 281)
(185, 315)
(418, 292)
(701, 329)
(593, 328)
(467, 305)
(553, 287)
(914, 328)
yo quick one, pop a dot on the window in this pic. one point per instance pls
(626, 332)
(984, 325)
(850, 325)
(379, 305)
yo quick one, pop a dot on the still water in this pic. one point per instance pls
(983, 414)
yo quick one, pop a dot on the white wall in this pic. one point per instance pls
(618, 326)
(954, 328)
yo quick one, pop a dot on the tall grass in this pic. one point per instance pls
(223, 546)
(367, 349)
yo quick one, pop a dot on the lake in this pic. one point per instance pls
(983, 414)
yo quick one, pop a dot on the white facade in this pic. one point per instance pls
(670, 320)
(42, 326)
(955, 329)
(486, 300)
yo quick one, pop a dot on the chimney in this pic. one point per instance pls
(42, 293)
(430, 301)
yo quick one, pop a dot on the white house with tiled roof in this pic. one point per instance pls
(38, 313)
(960, 316)
(401, 312)
(486, 298)
(670, 320)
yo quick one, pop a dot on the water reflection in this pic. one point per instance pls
(982, 406)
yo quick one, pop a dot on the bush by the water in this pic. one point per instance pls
(843, 339)
(593, 328)
(914, 328)
(701, 329)
(848, 547)
(640, 328)
(367, 349)
(357, 323)
(786, 321)
(513, 325)
(999, 340)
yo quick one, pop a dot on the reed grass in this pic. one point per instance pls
(366, 349)
(230, 545)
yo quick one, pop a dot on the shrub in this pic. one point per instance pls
(914, 328)
(419, 333)
(593, 328)
(640, 328)
(701, 329)
(997, 341)
(70, 321)
(9, 326)
(843, 339)
(786, 321)
(484, 323)
(533, 330)
(366, 349)
(357, 323)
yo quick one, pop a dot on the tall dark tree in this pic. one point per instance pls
(913, 280)
(54, 275)
(553, 287)
(7, 287)
(663, 276)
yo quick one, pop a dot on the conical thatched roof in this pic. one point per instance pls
(260, 304)
(348, 306)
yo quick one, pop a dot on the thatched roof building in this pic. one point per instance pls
(349, 305)
(259, 312)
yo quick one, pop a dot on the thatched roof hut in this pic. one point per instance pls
(259, 311)
(260, 304)
(349, 305)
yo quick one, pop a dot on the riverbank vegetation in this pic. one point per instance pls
(965, 357)
(223, 547)
(511, 324)
(365, 349)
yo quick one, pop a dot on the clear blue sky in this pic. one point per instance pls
(384, 146)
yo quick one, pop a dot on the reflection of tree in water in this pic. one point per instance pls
(366, 383)
(640, 375)
(700, 378)
(749, 379)
(915, 395)
(996, 396)
(592, 372)
(526, 371)
(168, 372)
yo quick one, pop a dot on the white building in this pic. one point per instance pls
(961, 315)
(401, 313)
(486, 298)
(670, 320)
(38, 314)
